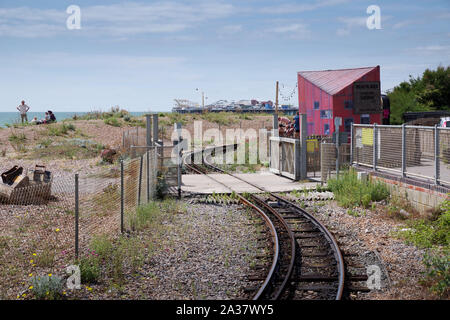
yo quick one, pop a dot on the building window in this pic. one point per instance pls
(365, 119)
(326, 129)
(348, 124)
(348, 104)
(316, 105)
(325, 114)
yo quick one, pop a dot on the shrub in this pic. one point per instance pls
(112, 121)
(47, 287)
(60, 130)
(102, 246)
(437, 274)
(349, 191)
(426, 234)
(90, 268)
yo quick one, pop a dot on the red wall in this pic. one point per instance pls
(308, 93)
(347, 94)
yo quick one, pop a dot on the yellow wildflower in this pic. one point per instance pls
(30, 275)
(34, 254)
(31, 261)
(49, 274)
(31, 287)
(57, 229)
(24, 295)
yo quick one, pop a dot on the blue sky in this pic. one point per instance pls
(141, 55)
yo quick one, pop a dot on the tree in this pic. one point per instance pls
(426, 93)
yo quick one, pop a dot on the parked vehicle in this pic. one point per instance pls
(445, 122)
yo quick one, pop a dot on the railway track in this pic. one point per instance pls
(306, 260)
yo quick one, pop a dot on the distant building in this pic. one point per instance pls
(352, 94)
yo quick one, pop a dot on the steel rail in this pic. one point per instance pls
(337, 252)
(269, 223)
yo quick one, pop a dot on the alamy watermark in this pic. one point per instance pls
(374, 20)
(373, 277)
(73, 22)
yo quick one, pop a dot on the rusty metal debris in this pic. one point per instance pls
(22, 187)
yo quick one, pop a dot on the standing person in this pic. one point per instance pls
(23, 109)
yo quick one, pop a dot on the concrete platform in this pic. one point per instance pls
(195, 183)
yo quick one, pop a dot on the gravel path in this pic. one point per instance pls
(205, 254)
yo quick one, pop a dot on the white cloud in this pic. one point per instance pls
(94, 61)
(122, 19)
(230, 29)
(297, 8)
(295, 30)
(433, 49)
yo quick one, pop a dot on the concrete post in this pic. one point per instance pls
(303, 148)
(149, 130)
(155, 128)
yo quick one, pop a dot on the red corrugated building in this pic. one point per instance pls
(324, 95)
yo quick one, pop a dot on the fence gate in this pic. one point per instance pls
(285, 157)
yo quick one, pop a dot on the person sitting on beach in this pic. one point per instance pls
(34, 121)
(23, 109)
(52, 117)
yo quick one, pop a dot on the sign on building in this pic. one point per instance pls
(367, 98)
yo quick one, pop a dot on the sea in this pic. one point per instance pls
(14, 117)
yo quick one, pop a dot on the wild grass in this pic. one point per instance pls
(112, 121)
(115, 112)
(66, 150)
(59, 129)
(18, 141)
(426, 233)
(152, 214)
(221, 118)
(351, 192)
(433, 235)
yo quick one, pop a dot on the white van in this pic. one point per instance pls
(445, 122)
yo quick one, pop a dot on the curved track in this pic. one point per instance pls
(307, 262)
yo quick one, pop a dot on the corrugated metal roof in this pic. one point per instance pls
(333, 81)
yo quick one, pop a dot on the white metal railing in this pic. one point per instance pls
(408, 151)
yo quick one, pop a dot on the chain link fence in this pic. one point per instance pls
(408, 151)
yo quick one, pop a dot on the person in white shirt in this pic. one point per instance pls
(23, 109)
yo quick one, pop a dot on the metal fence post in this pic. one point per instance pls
(351, 143)
(76, 215)
(436, 155)
(403, 150)
(137, 136)
(302, 161)
(148, 129)
(375, 145)
(140, 181)
(148, 175)
(155, 128)
(122, 196)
